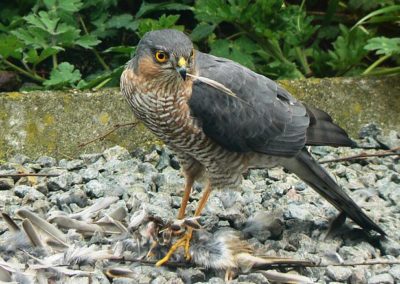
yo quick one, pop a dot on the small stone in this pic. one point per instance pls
(276, 174)
(369, 130)
(58, 183)
(298, 211)
(368, 179)
(95, 189)
(390, 247)
(214, 280)
(23, 190)
(338, 273)
(191, 275)
(257, 278)
(152, 157)
(354, 184)
(384, 278)
(116, 152)
(358, 276)
(76, 195)
(20, 159)
(89, 174)
(46, 162)
(90, 158)
(164, 160)
(395, 272)
(74, 165)
(6, 183)
(391, 140)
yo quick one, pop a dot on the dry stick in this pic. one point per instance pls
(364, 155)
(27, 175)
(115, 128)
(276, 265)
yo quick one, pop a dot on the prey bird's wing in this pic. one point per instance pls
(261, 117)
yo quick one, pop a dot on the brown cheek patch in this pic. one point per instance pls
(148, 68)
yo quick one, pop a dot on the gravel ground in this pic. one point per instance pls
(275, 212)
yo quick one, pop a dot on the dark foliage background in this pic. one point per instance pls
(85, 43)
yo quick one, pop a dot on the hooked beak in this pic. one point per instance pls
(181, 68)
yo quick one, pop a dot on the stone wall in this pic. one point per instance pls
(55, 123)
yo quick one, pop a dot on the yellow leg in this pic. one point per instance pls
(186, 195)
(185, 240)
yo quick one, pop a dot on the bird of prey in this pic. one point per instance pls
(221, 119)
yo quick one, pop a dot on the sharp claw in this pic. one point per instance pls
(183, 242)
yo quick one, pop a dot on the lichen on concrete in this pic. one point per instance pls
(55, 122)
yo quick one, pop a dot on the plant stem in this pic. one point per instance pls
(375, 64)
(54, 56)
(303, 61)
(98, 57)
(22, 71)
(385, 71)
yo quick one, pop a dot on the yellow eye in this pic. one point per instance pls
(161, 56)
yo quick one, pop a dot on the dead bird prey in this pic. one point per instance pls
(221, 132)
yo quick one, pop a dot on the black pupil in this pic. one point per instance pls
(161, 56)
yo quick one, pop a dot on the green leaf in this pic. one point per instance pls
(33, 57)
(122, 49)
(385, 10)
(201, 31)
(384, 45)
(122, 21)
(43, 20)
(71, 6)
(240, 50)
(147, 8)
(348, 50)
(87, 41)
(10, 45)
(164, 22)
(64, 75)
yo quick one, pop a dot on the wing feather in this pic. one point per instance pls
(263, 117)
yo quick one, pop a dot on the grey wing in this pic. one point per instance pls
(263, 117)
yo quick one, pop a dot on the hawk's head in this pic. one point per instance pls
(164, 54)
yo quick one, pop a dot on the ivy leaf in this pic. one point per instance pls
(384, 45)
(64, 75)
(87, 41)
(10, 45)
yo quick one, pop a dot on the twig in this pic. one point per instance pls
(364, 155)
(28, 175)
(367, 262)
(169, 263)
(272, 265)
(101, 137)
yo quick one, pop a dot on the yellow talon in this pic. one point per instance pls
(182, 242)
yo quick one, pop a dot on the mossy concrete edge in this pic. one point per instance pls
(55, 122)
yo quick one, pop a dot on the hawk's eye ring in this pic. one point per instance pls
(161, 56)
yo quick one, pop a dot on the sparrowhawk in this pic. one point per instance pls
(221, 119)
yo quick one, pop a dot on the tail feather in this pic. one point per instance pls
(304, 166)
(323, 131)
